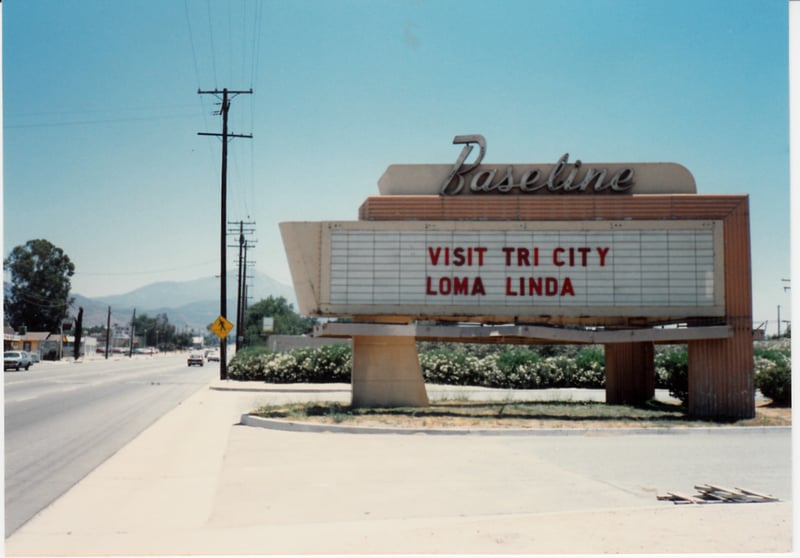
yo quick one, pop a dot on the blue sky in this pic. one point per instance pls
(101, 114)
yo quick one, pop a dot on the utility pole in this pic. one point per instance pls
(240, 289)
(223, 306)
(133, 333)
(786, 287)
(243, 294)
(108, 329)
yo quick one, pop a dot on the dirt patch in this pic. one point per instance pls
(767, 415)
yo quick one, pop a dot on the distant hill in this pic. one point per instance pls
(193, 304)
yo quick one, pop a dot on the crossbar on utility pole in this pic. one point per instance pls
(223, 307)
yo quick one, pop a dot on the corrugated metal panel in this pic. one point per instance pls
(547, 208)
(630, 373)
(721, 378)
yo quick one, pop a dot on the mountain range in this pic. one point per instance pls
(188, 304)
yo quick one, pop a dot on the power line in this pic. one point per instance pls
(256, 42)
(211, 38)
(191, 40)
(194, 59)
(230, 55)
(242, 56)
(98, 121)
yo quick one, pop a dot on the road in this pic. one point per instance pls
(63, 419)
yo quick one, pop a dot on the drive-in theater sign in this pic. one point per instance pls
(623, 255)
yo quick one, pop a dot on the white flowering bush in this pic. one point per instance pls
(328, 364)
(248, 365)
(512, 368)
(516, 368)
(307, 365)
(282, 368)
(520, 368)
(449, 367)
(262, 365)
(589, 370)
(488, 370)
(773, 375)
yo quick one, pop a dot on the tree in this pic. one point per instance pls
(286, 320)
(40, 283)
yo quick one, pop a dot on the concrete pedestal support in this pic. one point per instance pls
(630, 373)
(386, 372)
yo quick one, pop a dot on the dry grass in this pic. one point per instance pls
(514, 414)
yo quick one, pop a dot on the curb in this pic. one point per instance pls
(270, 389)
(293, 426)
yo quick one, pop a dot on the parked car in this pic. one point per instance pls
(16, 360)
(212, 355)
(195, 358)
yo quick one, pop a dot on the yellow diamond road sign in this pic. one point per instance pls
(221, 327)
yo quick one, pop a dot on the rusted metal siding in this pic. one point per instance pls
(630, 373)
(721, 378)
(547, 208)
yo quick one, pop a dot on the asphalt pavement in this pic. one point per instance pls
(200, 482)
(63, 419)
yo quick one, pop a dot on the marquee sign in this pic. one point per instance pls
(525, 270)
(560, 178)
(520, 248)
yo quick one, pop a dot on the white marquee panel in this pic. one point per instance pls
(622, 267)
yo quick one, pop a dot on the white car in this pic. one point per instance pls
(17, 360)
(212, 355)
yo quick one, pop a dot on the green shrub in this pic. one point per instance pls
(555, 370)
(590, 371)
(519, 368)
(516, 357)
(672, 372)
(773, 377)
(769, 353)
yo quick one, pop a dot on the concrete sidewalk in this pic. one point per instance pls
(198, 482)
